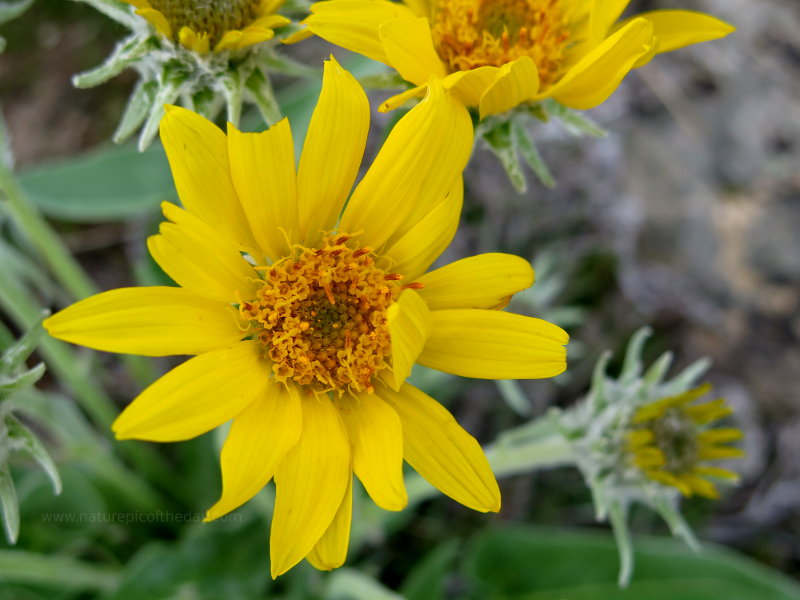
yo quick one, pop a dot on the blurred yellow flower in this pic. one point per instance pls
(306, 323)
(201, 25)
(671, 443)
(497, 54)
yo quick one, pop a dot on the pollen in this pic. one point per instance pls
(320, 316)
(208, 18)
(469, 34)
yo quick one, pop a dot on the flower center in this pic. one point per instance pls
(476, 33)
(210, 17)
(321, 316)
(675, 434)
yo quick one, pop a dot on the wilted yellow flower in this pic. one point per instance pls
(306, 323)
(203, 25)
(497, 54)
(671, 443)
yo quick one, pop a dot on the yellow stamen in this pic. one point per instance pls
(321, 317)
(469, 34)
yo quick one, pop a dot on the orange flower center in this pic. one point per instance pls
(469, 34)
(210, 17)
(321, 316)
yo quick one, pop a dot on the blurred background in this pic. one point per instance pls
(685, 217)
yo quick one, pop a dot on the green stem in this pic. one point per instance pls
(55, 571)
(61, 262)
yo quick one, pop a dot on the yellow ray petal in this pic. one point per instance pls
(197, 396)
(332, 151)
(414, 170)
(201, 260)
(604, 14)
(720, 436)
(675, 29)
(409, 323)
(311, 482)
(494, 345)
(719, 452)
(717, 472)
(254, 35)
(197, 42)
(421, 8)
(270, 21)
(257, 442)
(353, 24)
(413, 253)
(700, 486)
(377, 439)
(229, 40)
(409, 47)
(402, 98)
(262, 168)
(198, 155)
(595, 77)
(470, 86)
(483, 281)
(515, 82)
(157, 20)
(330, 551)
(153, 321)
(670, 480)
(441, 451)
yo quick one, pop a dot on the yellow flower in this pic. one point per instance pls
(201, 25)
(497, 54)
(671, 442)
(306, 323)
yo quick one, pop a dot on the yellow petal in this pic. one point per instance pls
(719, 452)
(354, 24)
(413, 253)
(254, 35)
(604, 14)
(717, 472)
(270, 21)
(494, 345)
(157, 20)
(409, 323)
(153, 321)
(675, 29)
(332, 151)
(311, 482)
(700, 486)
(377, 439)
(197, 396)
(257, 442)
(515, 83)
(197, 42)
(409, 47)
(201, 260)
(720, 436)
(330, 551)
(198, 155)
(415, 169)
(441, 451)
(402, 98)
(229, 40)
(421, 8)
(595, 77)
(470, 86)
(671, 480)
(262, 167)
(483, 281)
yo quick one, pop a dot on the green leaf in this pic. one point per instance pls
(574, 122)
(349, 584)
(426, 580)
(9, 505)
(24, 439)
(524, 143)
(13, 383)
(11, 10)
(17, 354)
(498, 140)
(546, 564)
(105, 185)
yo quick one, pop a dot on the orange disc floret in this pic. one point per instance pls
(321, 316)
(469, 34)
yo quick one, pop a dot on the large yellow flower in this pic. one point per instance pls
(497, 54)
(306, 323)
(202, 25)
